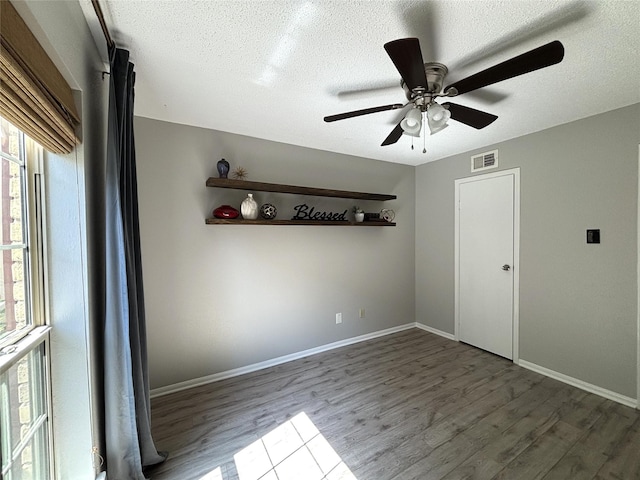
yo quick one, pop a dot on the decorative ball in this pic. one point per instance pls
(268, 211)
(387, 214)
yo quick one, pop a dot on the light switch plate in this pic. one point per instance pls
(593, 236)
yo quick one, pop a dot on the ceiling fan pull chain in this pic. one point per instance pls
(424, 134)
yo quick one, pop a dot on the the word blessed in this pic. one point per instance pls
(304, 212)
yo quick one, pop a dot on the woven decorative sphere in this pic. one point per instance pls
(268, 211)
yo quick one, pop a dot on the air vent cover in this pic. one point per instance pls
(484, 161)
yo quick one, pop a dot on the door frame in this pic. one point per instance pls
(515, 172)
(638, 287)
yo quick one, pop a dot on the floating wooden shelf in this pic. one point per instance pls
(296, 190)
(241, 221)
(276, 187)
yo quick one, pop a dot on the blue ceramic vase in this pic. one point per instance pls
(223, 168)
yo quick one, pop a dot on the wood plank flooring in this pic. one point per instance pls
(406, 406)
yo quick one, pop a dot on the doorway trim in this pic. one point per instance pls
(516, 252)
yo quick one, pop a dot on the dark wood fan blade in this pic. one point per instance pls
(535, 59)
(470, 116)
(407, 57)
(365, 111)
(394, 136)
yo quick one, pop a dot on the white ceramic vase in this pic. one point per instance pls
(359, 217)
(249, 208)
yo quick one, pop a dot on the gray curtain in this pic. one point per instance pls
(128, 441)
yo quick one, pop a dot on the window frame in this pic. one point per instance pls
(19, 344)
(29, 344)
(31, 157)
(21, 162)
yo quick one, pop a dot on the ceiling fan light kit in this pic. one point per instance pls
(423, 84)
(437, 117)
(412, 122)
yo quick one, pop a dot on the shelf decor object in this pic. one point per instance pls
(226, 211)
(387, 214)
(249, 208)
(304, 212)
(296, 190)
(268, 211)
(223, 168)
(358, 214)
(239, 173)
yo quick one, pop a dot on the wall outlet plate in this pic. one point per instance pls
(338, 318)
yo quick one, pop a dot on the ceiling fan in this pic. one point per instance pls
(423, 82)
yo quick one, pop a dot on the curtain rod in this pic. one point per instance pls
(103, 24)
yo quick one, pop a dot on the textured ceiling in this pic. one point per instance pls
(273, 69)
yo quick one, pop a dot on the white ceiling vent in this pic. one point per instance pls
(484, 161)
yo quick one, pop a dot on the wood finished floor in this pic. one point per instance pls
(411, 405)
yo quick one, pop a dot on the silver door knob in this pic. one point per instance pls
(506, 267)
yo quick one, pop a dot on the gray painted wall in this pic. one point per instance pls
(220, 297)
(577, 301)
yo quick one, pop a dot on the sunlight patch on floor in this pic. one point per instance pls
(295, 450)
(213, 475)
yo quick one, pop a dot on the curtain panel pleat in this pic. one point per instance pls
(33, 94)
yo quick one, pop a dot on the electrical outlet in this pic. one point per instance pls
(338, 318)
(361, 313)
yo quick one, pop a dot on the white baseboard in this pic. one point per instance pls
(603, 392)
(196, 382)
(435, 331)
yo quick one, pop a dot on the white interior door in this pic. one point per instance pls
(486, 261)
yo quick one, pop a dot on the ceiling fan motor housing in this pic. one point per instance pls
(435, 73)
